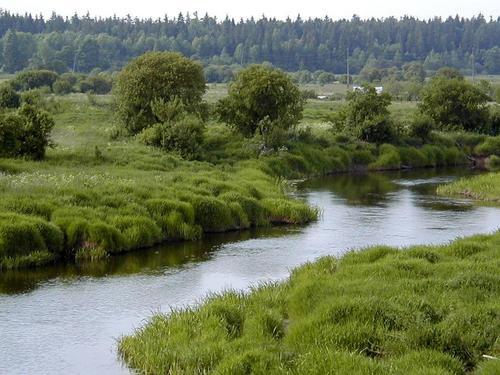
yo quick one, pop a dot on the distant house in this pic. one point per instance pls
(378, 89)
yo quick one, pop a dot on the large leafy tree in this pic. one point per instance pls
(366, 115)
(455, 103)
(260, 101)
(157, 76)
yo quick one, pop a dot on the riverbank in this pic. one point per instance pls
(485, 188)
(97, 194)
(424, 309)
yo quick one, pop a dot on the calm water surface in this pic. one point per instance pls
(66, 319)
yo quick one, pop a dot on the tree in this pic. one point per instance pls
(366, 116)
(155, 76)
(262, 100)
(455, 103)
(414, 72)
(88, 55)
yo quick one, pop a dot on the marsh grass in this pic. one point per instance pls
(382, 310)
(482, 188)
(104, 194)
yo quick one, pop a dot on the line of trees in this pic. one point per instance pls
(85, 43)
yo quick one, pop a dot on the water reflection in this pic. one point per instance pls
(152, 261)
(66, 318)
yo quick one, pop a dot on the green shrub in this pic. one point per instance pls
(491, 146)
(62, 86)
(421, 128)
(35, 136)
(34, 79)
(388, 158)
(9, 98)
(493, 163)
(412, 157)
(97, 84)
(183, 136)
(262, 101)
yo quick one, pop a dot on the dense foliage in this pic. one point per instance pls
(25, 132)
(85, 43)
(455, 103)
(366, 116)
(262, 101)
(177, 130)
(156, 76)
(382, 310)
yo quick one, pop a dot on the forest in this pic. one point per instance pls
(85, 43)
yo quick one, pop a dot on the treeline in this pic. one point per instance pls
(84, 43)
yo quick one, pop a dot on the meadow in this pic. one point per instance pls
(381, 310)
(98, 193)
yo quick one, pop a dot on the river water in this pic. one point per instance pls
(66, 319)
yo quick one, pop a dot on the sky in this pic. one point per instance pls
(256, 8)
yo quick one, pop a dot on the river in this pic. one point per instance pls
(66, 319)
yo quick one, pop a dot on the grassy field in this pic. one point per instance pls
(98, 193)
(93, 196)
(421, 310)
(483, 188)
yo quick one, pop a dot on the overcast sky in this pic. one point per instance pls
(246, 8)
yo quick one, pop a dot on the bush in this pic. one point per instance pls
(35, 137)
(97, 84)
(455, 103)
(388, 158)
(34, 79)
(153, 76)
(11, 129)
(379, 129)
(179, 131)
(260, 100)
(421, 128)
(491, 146)
(62, 86)
(9, 98)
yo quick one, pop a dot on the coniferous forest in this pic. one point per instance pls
(84, 43)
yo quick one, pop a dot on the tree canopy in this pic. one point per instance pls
(455, 103)
(156, 76)
(84, 43)
(260, 99)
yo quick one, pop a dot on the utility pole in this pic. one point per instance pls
(347, 66)
(473, 66)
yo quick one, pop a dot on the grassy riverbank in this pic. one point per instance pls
(421, 310)
(482, 188)
(97, 194)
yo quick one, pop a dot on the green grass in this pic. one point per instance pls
(483, 188)
(97, 197)
(420, 310)
(108, 194)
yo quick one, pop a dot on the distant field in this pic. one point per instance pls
(5, 77)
